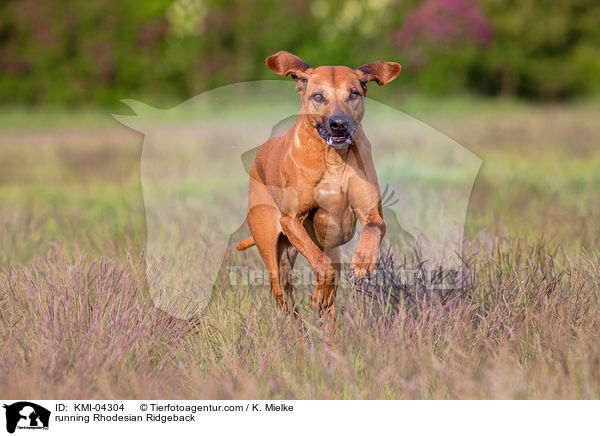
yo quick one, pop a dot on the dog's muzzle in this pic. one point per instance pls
(337, 131)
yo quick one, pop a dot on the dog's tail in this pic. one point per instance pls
(246, 243)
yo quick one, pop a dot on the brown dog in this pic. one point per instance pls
(310, 184)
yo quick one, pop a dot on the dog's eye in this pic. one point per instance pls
(318, 97)
(353, 95)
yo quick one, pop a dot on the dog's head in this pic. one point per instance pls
(332, 97)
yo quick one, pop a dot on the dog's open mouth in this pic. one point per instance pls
(335, 141)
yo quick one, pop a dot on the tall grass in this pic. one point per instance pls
(526, 327)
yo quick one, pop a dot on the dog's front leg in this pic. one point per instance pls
(367, 253)
(365, 199)
(322, 265)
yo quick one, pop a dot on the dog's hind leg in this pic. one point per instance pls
(263, 221)
(286, 254)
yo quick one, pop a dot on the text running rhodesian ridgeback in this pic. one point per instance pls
(309, 185)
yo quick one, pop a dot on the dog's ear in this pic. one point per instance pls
(285, 64)
(380, 71)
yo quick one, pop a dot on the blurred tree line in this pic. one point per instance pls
(66, 51)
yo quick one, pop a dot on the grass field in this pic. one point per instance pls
(76, 320)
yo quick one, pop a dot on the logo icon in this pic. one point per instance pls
(26, 415)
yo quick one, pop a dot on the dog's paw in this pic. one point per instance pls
(363, 263)
(324, 272)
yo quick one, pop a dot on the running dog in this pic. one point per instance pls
(309, 185)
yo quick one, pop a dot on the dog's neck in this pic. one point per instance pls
(308, 139)
(335, 158)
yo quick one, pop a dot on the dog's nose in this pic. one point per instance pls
(339, 125)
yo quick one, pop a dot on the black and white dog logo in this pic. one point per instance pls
(26, 415)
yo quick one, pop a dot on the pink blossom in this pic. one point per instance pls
(446, 23)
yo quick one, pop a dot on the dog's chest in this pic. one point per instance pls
(331, 191)
(334, 221)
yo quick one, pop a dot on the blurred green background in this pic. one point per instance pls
(69, 52)
(515, 82)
